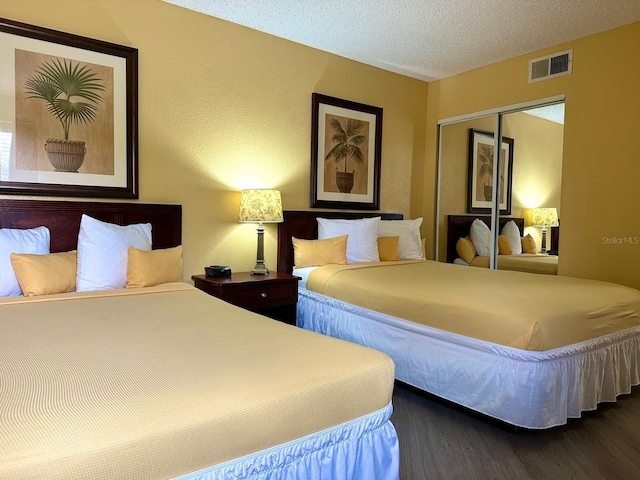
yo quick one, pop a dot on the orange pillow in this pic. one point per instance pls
(45, 274)
(315, 253)
(146, 268)
(388, 248)
(529, 245)
(503, 246)
(466, 250)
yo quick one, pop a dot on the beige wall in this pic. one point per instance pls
(600, 160)
(223, 107)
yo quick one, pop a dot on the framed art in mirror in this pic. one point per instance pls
(69, 122)
(480, 173)
(346, 145)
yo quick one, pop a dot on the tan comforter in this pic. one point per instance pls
(158, 382)
(525, 262)
(521, 310)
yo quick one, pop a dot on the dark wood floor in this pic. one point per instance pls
(439, 441)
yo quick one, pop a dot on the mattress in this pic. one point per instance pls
(162, 381)
(514, 309)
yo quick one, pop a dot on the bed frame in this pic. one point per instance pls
(303, 224)
(460, 226)
(63, 219)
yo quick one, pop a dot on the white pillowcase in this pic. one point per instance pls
(409, 243)
(480, 236)
(362, 242)
(33, 240)
(102, 252)
(512, 233)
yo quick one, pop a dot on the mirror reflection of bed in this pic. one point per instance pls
(462, 251)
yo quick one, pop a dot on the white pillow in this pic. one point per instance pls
(102, 252)
(480, 236)
(33, 240)
(511, 231)
(409, 244)
(362, 242)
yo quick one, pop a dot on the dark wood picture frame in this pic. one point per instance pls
(360, 128)
(122, 182)
(481, 145)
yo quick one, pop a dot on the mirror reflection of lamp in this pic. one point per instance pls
(260, 206)
(543, 218)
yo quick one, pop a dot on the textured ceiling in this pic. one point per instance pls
(425, 39)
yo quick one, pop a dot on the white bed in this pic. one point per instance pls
(530, 389)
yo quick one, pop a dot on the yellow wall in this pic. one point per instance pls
(601, 167)
(223, 107)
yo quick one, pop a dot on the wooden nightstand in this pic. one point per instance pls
(274, 295)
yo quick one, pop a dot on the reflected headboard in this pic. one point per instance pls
(303, 224)
(62, 218)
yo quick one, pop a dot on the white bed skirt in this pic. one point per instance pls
(366, 447)
(528, 389)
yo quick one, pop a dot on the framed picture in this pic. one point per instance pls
(68, 115)
(346, 140)
(480, 173)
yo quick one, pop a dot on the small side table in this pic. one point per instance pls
(274, 295)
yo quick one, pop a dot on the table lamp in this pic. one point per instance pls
(261, 206)
(543, 218)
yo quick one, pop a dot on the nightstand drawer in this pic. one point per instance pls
(253, 296)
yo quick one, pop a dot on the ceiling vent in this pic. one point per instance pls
(550, 66)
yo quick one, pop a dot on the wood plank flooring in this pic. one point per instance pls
(441, 441)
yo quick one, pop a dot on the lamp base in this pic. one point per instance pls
(260, 269)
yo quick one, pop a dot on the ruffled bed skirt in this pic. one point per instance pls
(528, 389)
(363, 448)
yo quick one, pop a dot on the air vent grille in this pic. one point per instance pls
(550, 66)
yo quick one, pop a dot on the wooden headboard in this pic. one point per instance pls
(63, 219)
(460, 226)
(303, 224)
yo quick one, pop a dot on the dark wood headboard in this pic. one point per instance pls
(303, 224)
(63, 219)
(460, 226)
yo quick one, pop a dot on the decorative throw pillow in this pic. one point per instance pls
(512, 233)
(409, 244)
(388, 249)
(362, 244)
(33, 240)
(315, 253)
(529, 244)
(146, 268)
(45, 274)
(102, 252)
(480, 236)
(503, 246)
(466, 250)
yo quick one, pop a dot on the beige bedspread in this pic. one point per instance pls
(525, 262)
(521, 310)
(161, 381)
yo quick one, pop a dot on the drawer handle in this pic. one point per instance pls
(264, 295)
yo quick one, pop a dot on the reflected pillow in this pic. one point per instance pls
(480, 236)
(33, 240)
(315, 253)
(45, 274)
(503, 246)
(362, 244)
(146, 268)
(466, 250)
(409, 244)
(388, 249)
(102, 252)
(529, 244)
(512, 233)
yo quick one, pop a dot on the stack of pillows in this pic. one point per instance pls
(363, 240)
(478, 243)
(109, 256)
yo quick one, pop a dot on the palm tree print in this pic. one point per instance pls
(347, 139)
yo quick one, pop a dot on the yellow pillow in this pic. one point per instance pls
(314, 253)
(466, 250)
(529, 244)
(45, 274)
(146, 268)
(503, 246)
(388, 248)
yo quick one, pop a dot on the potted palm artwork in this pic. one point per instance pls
(347, 138)
(72, 93)
(485, 163)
